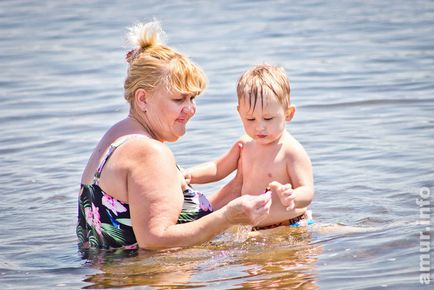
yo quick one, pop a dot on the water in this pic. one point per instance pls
(362, 76)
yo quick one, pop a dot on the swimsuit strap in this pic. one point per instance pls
(109, 153)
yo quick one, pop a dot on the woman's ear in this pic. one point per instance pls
(140, 99)
(289, 114)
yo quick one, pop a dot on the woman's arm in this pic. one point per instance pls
(155, 199)
(217, 169)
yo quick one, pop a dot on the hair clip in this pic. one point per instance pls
(130, 53)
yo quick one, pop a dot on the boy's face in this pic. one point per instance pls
(265, 124)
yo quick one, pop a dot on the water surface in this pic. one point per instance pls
(362, 78)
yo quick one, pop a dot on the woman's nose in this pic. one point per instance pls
(189, 108)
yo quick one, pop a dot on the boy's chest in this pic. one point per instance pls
(260, 168)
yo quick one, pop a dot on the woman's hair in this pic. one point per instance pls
(152, 63)
(264, 80)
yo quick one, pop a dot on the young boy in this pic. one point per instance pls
(269, 156)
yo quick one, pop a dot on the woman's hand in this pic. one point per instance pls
(284, 192)
(248, 209)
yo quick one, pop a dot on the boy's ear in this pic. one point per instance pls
(238, 108)
(289, 114)
(140, 99)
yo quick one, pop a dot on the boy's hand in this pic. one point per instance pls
(187, 175)
(284, 192)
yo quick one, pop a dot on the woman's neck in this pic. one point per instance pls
(143, 126)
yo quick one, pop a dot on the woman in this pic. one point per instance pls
(132, 193)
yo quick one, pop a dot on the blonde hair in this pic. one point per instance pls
(264, 80)
(152, 63)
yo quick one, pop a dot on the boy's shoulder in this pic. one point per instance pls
(291, 144)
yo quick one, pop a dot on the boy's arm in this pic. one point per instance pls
(217, 169)
(228, 192)
(299, 193)
(300, 170)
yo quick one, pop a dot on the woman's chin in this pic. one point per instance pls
(178, 134)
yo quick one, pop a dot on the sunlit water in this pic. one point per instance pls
(362, 77)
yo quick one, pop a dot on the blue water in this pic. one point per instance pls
(362, 78)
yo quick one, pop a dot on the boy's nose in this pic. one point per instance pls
(260, 129)
(260, 126)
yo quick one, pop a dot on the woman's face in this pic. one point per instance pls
(168, 113)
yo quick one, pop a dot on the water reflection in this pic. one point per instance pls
(278, 258)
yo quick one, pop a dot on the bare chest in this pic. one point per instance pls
(262, 167)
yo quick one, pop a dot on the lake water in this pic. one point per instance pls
(362, 77)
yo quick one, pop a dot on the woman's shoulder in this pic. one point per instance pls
(137, 144)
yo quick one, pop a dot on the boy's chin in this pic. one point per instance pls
(266, 141)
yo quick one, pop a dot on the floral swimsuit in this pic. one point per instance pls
(105, 222)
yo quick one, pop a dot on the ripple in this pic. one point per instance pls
(362, 84)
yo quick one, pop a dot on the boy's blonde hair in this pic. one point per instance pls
(152, 63)
(264, 80)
